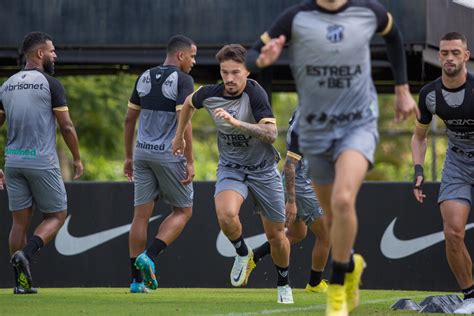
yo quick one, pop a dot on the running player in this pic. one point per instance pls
(330, 60)
(302, 212)
(247, 162)
(156, 99)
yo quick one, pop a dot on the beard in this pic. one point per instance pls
(48, 67)
(452, 72)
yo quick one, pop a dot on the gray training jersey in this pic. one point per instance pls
(330, 61)
(159, 92)
(28, 99)
(456, 108)
(302, 182)
(237, 149)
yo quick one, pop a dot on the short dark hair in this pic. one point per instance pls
(451, 36)
(34, 39)
(177, 43)
(235, 52)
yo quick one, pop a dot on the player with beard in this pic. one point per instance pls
(31, 101)
(247, 162)
(451, 98)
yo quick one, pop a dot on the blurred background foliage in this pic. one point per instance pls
(98, 104)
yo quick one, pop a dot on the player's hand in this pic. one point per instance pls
(404, 103)
(2, 180)
(78, 169)
(189, 173)
(271, 51)
(178, 145)
(128, 169)
(222, 114)
(418, 184)
(290, 211)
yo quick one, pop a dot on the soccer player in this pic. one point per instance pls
(451, 98)
(247, 162)
(302, 211)
(329, 44)
(31, 101)
(156, 99)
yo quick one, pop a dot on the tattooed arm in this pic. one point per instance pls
(264, 132)
(290, 207)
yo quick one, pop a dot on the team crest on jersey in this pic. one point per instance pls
(233, 113)
(335, 33)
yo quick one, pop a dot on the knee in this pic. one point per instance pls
(342, 202)
(454, 235)
(226, 219)
(186, 213)
(277, 237)
(295, 237)
(59, 217)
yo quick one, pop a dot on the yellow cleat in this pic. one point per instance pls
(250, 266)
(336, 301)
(322, 287)
(352, 282)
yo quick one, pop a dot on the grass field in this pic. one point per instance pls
(188, 301)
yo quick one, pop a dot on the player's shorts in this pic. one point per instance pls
(363, 139)
(457, 178)
(43, 187)
(308, 207)
(161, 180)
(266, 188)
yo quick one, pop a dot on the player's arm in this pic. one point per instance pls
(388, 29)
(69, 134)
(267, 49)
(2, 118)
(185, 116)
(265, 130)
(2, 121)
(133, 112)
(418, 150)
(289, 169)
(188, 150)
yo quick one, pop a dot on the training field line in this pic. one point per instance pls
(314, 307)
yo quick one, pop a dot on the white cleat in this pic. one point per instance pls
(238, 274)
(285, 296)
(467, 307)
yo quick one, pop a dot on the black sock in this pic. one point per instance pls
(155, 248)
(136, 274)
(339, 270)
(469, 292)
(32, 246)
(283, 276)
(15, 273)
(240, 246)
(315, 277)
(261, 252)
(350, 267)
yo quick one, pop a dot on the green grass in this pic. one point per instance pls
(188, 301)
